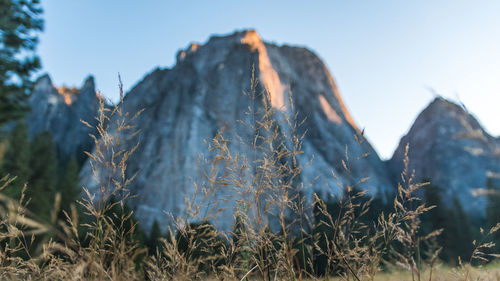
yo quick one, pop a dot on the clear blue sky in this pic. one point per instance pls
(383, 54)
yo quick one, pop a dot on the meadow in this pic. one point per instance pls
(279, 232)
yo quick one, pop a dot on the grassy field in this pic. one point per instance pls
(440, 274)
(103, 245)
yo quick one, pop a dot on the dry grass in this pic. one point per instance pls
(273, 237)
(439, 274)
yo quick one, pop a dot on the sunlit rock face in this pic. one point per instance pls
(59, 110)
(204, 92)
(449, 147)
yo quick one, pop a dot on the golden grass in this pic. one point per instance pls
(439, 274)
(271, 239)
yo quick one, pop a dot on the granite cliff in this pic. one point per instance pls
(209, 88)
(448, 147)
(59, 111)
(204, 92)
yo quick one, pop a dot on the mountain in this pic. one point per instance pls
(448, 146)
(59, 110)
(204, 92)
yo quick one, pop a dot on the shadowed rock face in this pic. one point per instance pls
(59, 110)
(203, 92)
(448, 146)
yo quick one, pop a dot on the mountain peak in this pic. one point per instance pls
(60, 109)
(248, 37)
(211, 88)
(87, 92)
(43, 84)
(252, 39)
(449, 147)
(44, 78)
(89, 82)
(447, 116)
(245, 36)
(442, 105)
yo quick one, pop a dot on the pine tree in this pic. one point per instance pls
(200, 242)
(124, 218)
(461, 231)
(492, 203)
(450, 220)
(153, 241)
(17, 159)
(4, 144)
(241, 243)
(493, 208)
(439, 216)
(69, 185)
(43, 162)
(19, 22)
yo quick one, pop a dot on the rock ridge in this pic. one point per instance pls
(209, 89)
(448, 146)
(59, 111)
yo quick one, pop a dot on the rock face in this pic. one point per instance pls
(449, 147)
(59, 110)
(203, 93)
